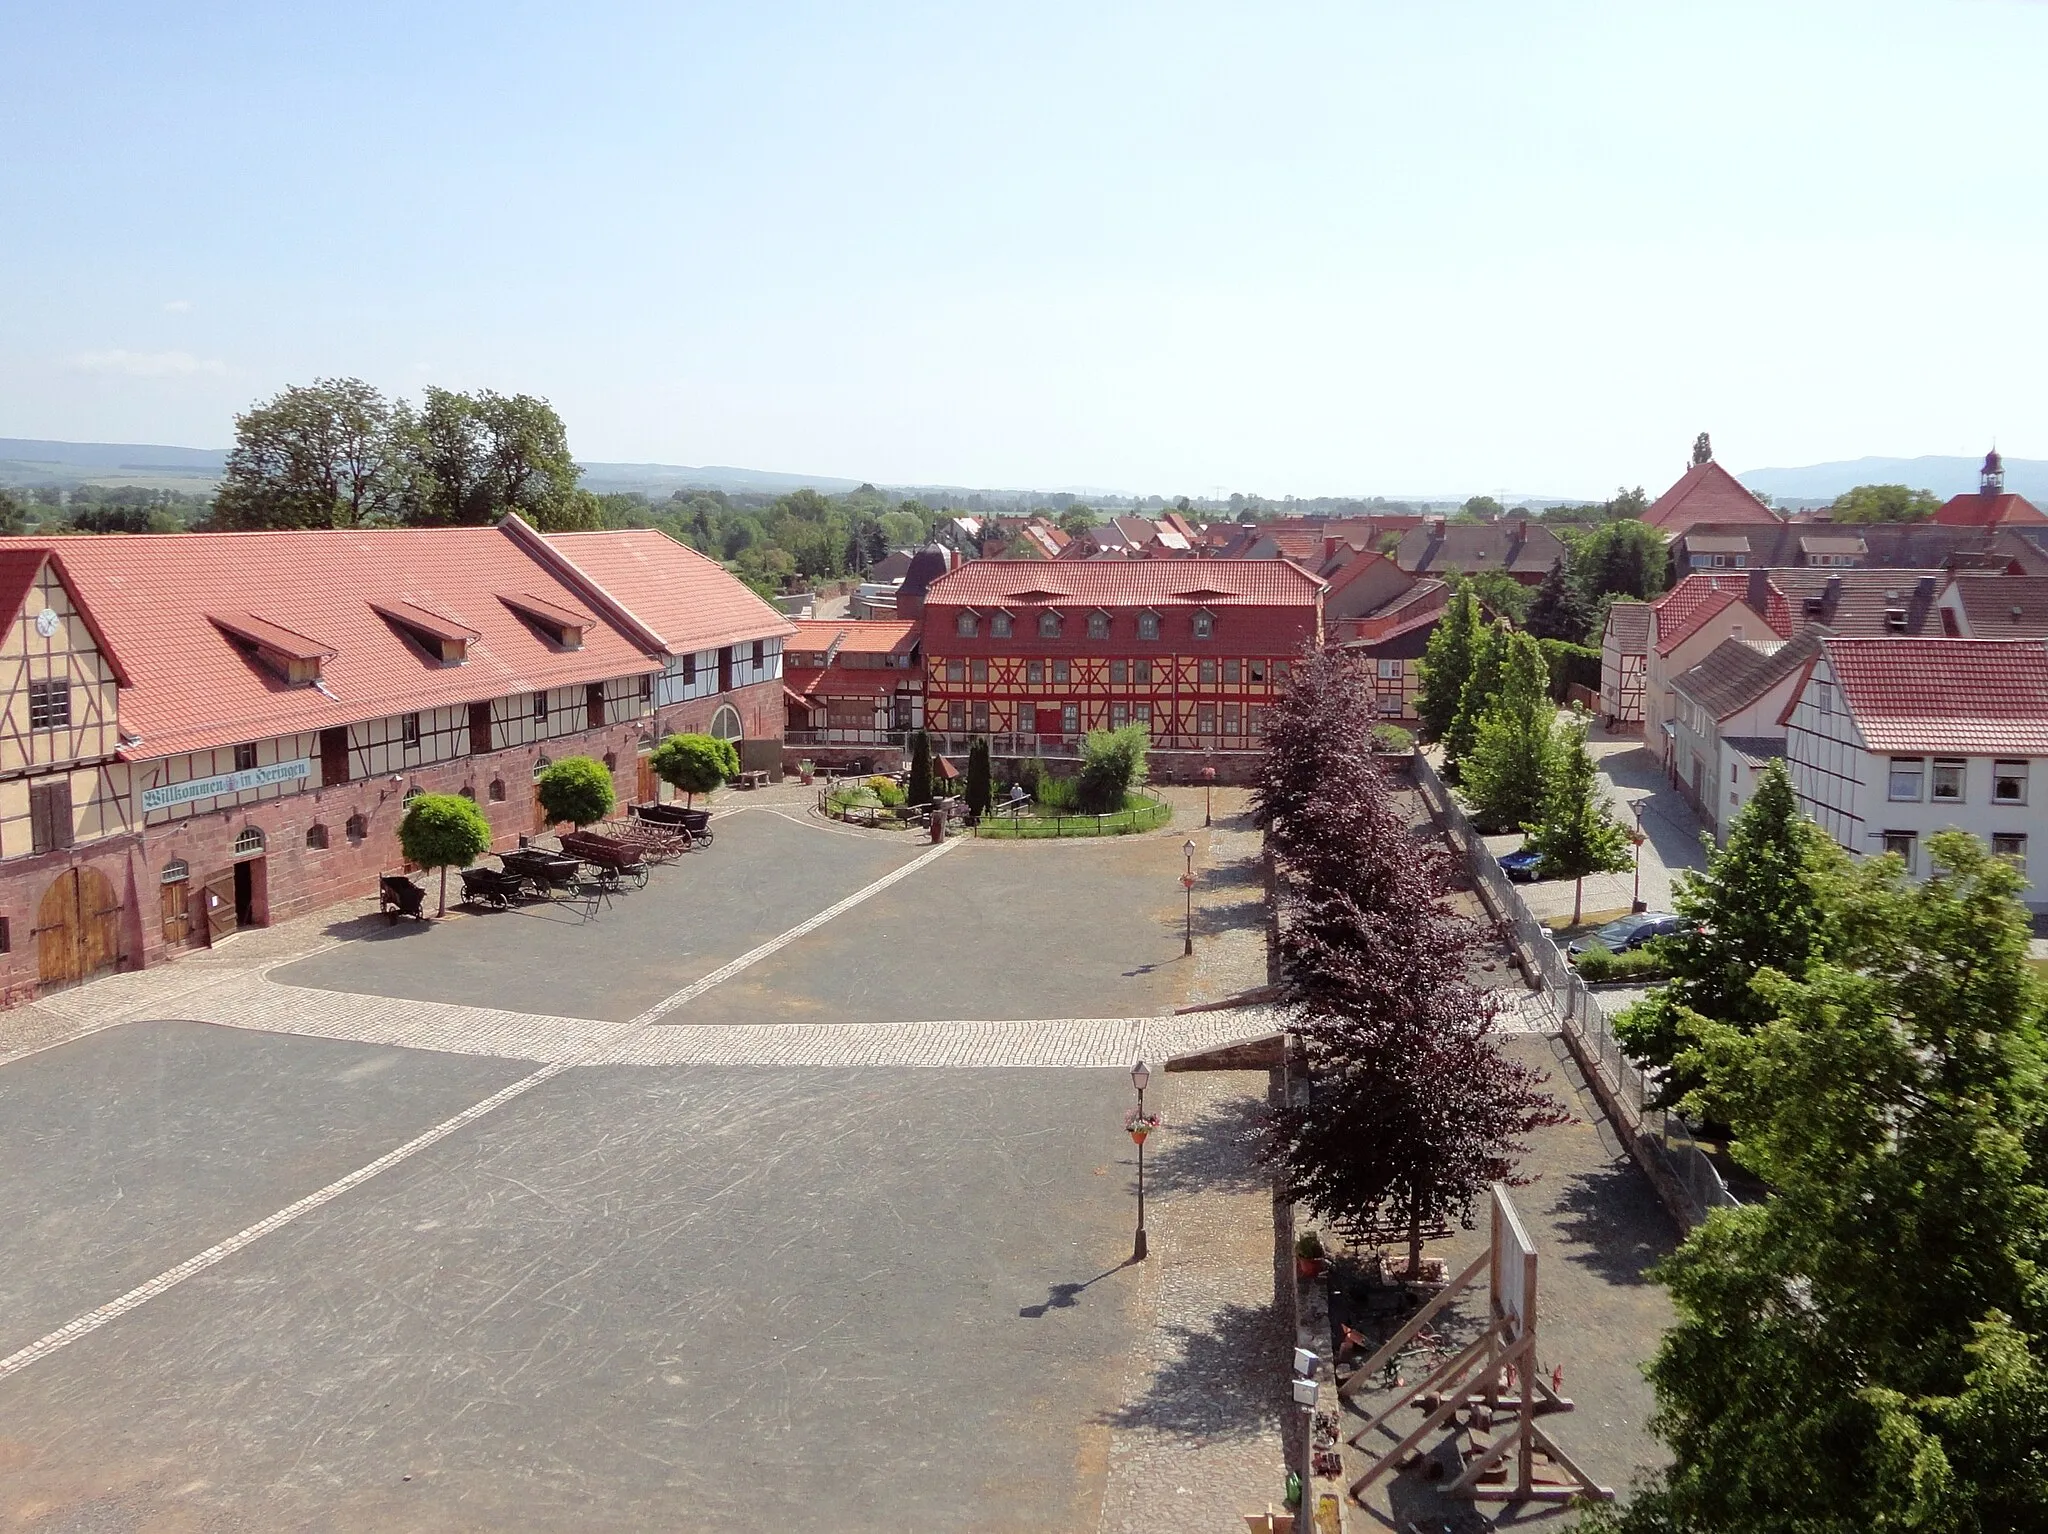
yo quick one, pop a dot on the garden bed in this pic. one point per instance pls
(1140, 813)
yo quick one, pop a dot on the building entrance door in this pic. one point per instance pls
(1048, 719)
(218, 901)
(245, 892)
(78, 928)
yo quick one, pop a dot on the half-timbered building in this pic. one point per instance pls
(1035, 655)
(210, 730)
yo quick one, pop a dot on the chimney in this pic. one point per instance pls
(1831, 598)
(1759, 594)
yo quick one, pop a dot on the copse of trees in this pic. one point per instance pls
(1412, 1110)
(1885, 503)
(1447, 662)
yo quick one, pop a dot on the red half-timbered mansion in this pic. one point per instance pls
(1033, 654)
(201, 731)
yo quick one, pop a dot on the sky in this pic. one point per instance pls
(1454, 247)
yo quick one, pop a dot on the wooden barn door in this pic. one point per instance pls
(646, 787)
(78, 928)
(218, 898)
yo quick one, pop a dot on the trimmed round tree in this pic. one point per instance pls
(695, 764)
(576, 789)
(443, 831)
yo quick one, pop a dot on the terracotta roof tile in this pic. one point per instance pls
(2003, 606)
(691, 602)
(1975, 509)
(1124, 583)
(857, 636)
(1971, 697)
(1706, 493)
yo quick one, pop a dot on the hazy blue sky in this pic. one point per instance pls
(1370, 248)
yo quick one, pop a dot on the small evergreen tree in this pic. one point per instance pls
(1508, 773)
(443, 831)
(1761, 903)
(1447, 662)
(1559, 611)
(1482, 684)
(920, 784)
(1864, 1349)
(695, 764)
(576, 789)
(1578, 834)
(980, 789)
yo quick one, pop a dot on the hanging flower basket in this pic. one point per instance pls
(1139, 1125)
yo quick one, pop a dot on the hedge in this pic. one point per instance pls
(1569, 664)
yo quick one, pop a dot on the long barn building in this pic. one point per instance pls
(205, 731)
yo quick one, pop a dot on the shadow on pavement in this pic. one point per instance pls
(1217, 1153)
(1603, 1228)
(1066, 1296)
(1222, 1384)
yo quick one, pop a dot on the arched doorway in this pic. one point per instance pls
(725, 724)
(78, 928)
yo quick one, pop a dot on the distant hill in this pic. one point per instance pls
(1944, 476)
(659, 479)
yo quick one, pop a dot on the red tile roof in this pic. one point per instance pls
(1706, 493)
(1694, 600)
(1124, 583)
(689, 603)
(1972, 697)
(273, 636)
(856, 636)
(1975, 509)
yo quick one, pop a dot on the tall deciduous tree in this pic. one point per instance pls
(1760, 904)
(1578, 834)
(1508, 772)
(1863, 1350)
(1447, 662)
(1482, 684)
(329, 454)
(482, 455)
(1558, 611)
(1624, 557)
(1412, 1110)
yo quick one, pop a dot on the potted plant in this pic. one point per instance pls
(804, 770)
(1308, 1256)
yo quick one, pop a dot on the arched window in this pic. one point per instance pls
(540, 765)
(468, 791)
(725, 724)
(497, 790)
(358, 827)
(177, 871)
(412, 793)
(1048, 625)
(316, 837)
(249, 843)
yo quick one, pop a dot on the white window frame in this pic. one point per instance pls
(1957, 770)
(2008, 772)
(1899, 769)
(1906, 844)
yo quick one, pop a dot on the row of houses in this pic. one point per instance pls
(210, 730)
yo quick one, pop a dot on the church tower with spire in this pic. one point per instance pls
(1991, 479)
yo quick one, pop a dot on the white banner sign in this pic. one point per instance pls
(226, 783)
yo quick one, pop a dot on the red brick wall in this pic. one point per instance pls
(294, 878)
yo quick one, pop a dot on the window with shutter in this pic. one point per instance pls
(49, 815)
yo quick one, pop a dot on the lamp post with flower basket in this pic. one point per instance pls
(1138, 1123)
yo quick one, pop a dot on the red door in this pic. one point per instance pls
(1048, 719)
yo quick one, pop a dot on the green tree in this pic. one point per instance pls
(443, 831)
(1885, 503)
(1559, 610)
(1480, 508)
(1578, 834)
(1077, 519)
(1761, 903)
(329, 454)
(576, 789)
(1501, 594)
(1624, 557)
(1489, 653)
(13, 515)
(902, 530)
(1112, 764)
(1447, 662)
(1862, 1350)
(481, 456)
(1509, 770)
(920, 784)
(980, 786)
(695, 764)
(1627, 504)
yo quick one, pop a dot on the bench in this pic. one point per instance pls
(755, 779)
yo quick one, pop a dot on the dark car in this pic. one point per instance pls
(1521, 865)
(1628, 932)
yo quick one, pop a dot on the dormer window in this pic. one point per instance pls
(283, 652)
(1048, 625)
(999, 625)
(1205, 625)
(1148, 625)
(442, 638)
(1098, 625)
(559, 625)
(964, 625)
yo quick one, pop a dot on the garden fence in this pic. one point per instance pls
(1667, 1134)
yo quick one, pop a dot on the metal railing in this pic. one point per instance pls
(1666, 1133)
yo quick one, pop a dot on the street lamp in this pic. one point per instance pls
(1187, 884)
(1208, 787)
(1140, 1124)
(1636, 837)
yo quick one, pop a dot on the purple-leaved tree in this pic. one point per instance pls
(1411, 1109)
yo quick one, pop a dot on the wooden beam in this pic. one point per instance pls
(1416, 1322)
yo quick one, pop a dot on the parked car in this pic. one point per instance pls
(1521, 865)
(1628, 932)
